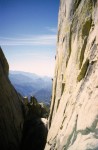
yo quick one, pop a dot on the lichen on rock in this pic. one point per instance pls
(83, 70)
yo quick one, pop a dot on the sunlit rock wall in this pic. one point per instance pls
(73, 121)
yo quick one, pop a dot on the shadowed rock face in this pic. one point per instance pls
(34, 129)
(73, 120)
(34, 134)
(11, 114)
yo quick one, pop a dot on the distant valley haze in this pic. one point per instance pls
(28, 84)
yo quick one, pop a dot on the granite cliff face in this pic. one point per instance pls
(73, 120)
(11, 112)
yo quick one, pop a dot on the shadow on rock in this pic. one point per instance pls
(34, 130)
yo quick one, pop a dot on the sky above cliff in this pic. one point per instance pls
(28, 31)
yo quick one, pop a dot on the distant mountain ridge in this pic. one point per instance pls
(29, 84)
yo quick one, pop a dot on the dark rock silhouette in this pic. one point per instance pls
(11, 110)
(34, 134)
(34, 130)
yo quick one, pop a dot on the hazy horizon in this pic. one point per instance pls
(28, 34)
(23, 72)
(35, 62)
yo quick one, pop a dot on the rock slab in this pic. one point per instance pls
(73, 120)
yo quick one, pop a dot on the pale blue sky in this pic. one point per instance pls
(28, 31)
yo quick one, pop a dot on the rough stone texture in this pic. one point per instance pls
(73, 121)
(11, 114)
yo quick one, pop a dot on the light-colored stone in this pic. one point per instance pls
(73, 120)
(44, 121)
